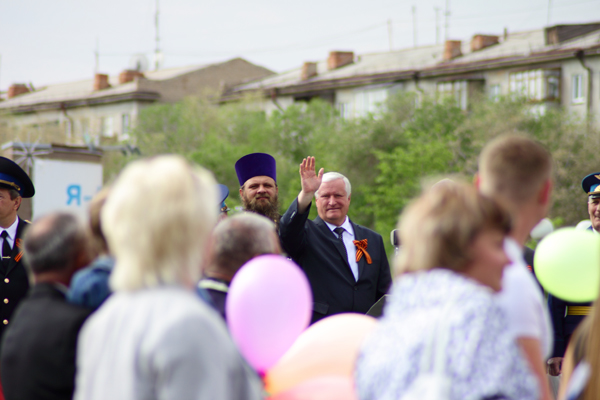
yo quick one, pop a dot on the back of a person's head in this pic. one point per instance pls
(437, 229)
(237, 239)
(55, 242)
(513, 169)
(96, 204)
(156, 220)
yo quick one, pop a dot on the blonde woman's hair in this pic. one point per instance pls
(156, 219)
(588, 333)
(437, 229)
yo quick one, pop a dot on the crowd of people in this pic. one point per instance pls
(131, 303)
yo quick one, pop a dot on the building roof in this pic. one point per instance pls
(365, 64)
(78, 93)
(518, 47)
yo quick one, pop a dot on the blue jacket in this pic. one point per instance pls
(89, 286)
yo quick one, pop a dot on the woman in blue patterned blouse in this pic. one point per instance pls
(449, 267)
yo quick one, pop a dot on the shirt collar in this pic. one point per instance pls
(346, 225)
(12, 230)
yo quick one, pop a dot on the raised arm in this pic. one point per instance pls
(311, 181)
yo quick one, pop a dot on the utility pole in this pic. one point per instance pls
(549, 8)
(390, 36)
(447, 21)
(437, 25)
(97, 57)
(157, 49)
(414, 14)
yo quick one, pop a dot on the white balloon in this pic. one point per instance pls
(543, 228)
(583, 225)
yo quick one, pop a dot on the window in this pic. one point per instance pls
(344, 109)
(107, 127)
(68, 128)
(369, 101)
(495, 92)
(454, 89)
(125, 124)
(577, 85)
(536, 85)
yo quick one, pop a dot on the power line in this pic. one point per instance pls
(402, 24)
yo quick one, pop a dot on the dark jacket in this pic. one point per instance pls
(323, 258)
(15, 282)
(38, 348)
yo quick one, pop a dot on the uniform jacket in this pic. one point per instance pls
(563, 325)
(38, 351)
(15, 282)
(322, 256)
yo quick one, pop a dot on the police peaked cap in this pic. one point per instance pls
(12, 176)
(591, 185)
(255, 164)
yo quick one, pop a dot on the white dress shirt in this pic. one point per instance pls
(12, 234)
(348, 237)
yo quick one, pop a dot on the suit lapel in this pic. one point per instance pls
(334, 240)
(16, 254)
(359, 234)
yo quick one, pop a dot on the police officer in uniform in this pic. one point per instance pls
(566, 315)
(14, 282)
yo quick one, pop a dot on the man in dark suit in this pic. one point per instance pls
(38, 348)
(14, 185)
(345, 263)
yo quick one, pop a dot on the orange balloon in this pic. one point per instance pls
(321, 388)
(329, 347)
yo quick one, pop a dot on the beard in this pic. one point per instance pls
(269, 208)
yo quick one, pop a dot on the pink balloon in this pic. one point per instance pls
(268, 305)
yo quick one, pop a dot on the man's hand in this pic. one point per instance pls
(310, 182)
(555, 366)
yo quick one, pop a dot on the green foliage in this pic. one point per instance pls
(389, 157)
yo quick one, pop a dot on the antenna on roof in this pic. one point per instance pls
(447, 20)
(437, 25)
(390, 36)
(138, 62)
(414, 15)
(97, 57)
(158, 57)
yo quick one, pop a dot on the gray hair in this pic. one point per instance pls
(332, 176)
(239, 238)
(54, 242)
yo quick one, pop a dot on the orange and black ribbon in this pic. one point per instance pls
(19, 244)
(361, 248)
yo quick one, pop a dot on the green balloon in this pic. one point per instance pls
(567, 264)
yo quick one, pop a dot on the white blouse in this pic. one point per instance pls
(160, 343)
(482, 359)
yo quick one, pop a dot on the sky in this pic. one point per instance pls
(46, 42)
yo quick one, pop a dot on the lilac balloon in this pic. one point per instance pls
(268, 305)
